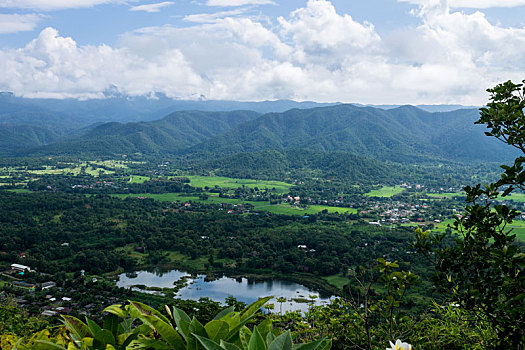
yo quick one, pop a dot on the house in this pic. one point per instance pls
(47, 285)
(19, 268)
(27, 286)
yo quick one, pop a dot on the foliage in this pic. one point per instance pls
(370, 317)
(16, 321)
(138, 326)
(451, 327)
(483, 269)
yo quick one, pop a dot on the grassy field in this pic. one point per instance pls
(258, 205)
(385, 191)
(516, 197)
(337, 280)
(517, 226)
(226, 182)
(137, 179)
(442, 226)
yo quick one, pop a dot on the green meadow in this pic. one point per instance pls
(137, 179)
(226, 182)
(517, 227)
(385, 191)
(516, 197)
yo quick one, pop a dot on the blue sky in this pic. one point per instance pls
(366, 51)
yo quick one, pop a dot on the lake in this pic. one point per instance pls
(218, 290)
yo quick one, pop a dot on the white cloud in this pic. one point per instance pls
(18, 23)
(314, 53)
(233, 3)
(477, 4)
(319, 34)
(50, 5)
(152, 7)
(52, 65)
(213, 17)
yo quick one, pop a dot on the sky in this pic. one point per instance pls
(354, 51)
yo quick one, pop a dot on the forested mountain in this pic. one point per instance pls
(15, 137)
(405, 134)
(171, 134)
(74, 117)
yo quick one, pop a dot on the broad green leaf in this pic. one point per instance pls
(195, 328)
(128, 340)
(229, 346)
(111, 323)
(137, 309)
(309, 346)
(77, 328)
(282, 342)
(269, 338)
(224, 312)
(326, 345)
(253, 308)
(235, 331)
(93, 327)
(244, 337)
(257, 341)
(105, 337)
(207, 343)
(182, 320)
(116, 310)
(180, 314)
(217, 330)
(166, 331)
(265, 327)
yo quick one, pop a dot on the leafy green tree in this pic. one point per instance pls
(482, 269)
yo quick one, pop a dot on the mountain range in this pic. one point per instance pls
(404, 134)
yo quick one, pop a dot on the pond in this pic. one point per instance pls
(242, 289)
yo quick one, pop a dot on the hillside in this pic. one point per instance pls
(15, 137)
(403, 134)
(171, 134)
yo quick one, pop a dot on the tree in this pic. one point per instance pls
(482, 267)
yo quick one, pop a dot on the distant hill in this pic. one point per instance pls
(118, 108)
(74, 117)
(14, 137)
(403, 134)
(427, 108)
(170, 134)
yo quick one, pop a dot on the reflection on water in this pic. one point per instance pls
(242, 289)
(155, 278)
